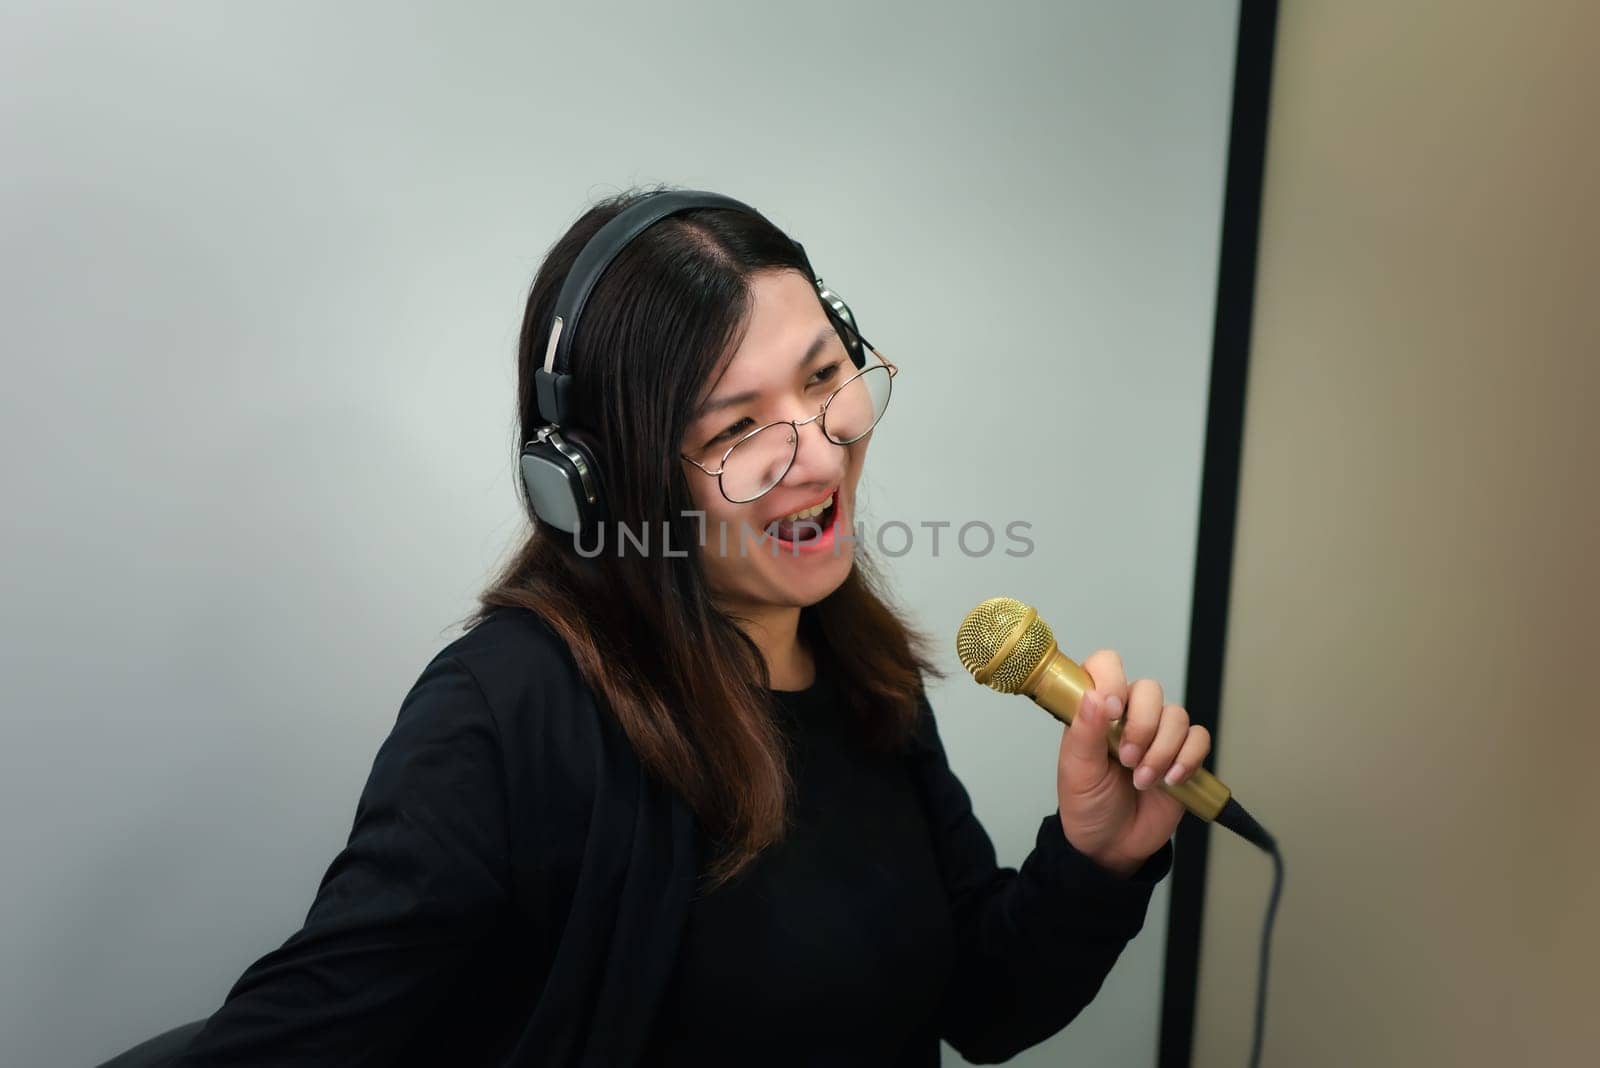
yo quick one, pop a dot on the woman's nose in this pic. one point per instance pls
(816, 458)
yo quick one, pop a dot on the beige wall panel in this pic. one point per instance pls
(1409, 693)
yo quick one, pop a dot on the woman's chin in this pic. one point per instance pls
(792, 582)
(805, 580)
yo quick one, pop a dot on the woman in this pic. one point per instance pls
(677, 795)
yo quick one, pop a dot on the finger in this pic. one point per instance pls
(1158, 758)
(1144, 716)
(1105, 669)
(1196, 747)
(1084, 750)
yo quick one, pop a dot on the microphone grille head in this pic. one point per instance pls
(1005, 630)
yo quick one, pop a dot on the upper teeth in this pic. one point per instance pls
(807, 513)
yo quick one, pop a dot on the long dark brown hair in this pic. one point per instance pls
(685, 683)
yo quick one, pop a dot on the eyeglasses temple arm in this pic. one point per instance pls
(893, 370)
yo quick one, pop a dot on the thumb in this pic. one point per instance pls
(1087, 756)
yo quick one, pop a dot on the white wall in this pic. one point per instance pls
(264, 270)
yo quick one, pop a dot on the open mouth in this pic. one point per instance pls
(806, 524)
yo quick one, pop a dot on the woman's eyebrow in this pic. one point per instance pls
(731, 399)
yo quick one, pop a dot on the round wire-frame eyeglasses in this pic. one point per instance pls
(794, 438)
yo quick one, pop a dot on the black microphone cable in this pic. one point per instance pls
(1234, 817)
(1266, 943)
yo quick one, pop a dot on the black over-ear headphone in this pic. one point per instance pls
(559, 468)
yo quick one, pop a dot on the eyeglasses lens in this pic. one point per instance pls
(760, 461)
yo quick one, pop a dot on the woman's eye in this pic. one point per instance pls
(729, 432)
(825, 374)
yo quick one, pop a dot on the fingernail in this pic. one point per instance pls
(1144, 777)
(1129, 754)
(1113, 706)
(1174, 773)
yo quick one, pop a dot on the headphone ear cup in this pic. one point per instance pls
(852, 342)
(561, 475)
(844, 322)
(586, 445)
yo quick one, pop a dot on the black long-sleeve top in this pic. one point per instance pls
(838, 938)
(516, 890)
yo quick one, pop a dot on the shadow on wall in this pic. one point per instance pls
(157, 1052)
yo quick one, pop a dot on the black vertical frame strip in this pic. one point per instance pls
(1219, 495)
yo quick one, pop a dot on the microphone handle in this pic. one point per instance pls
(1059, 688)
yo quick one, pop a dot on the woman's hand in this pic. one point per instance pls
(1116, 822)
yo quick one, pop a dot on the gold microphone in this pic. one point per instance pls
(1007, 647)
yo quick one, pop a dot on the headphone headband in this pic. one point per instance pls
(553, 382)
